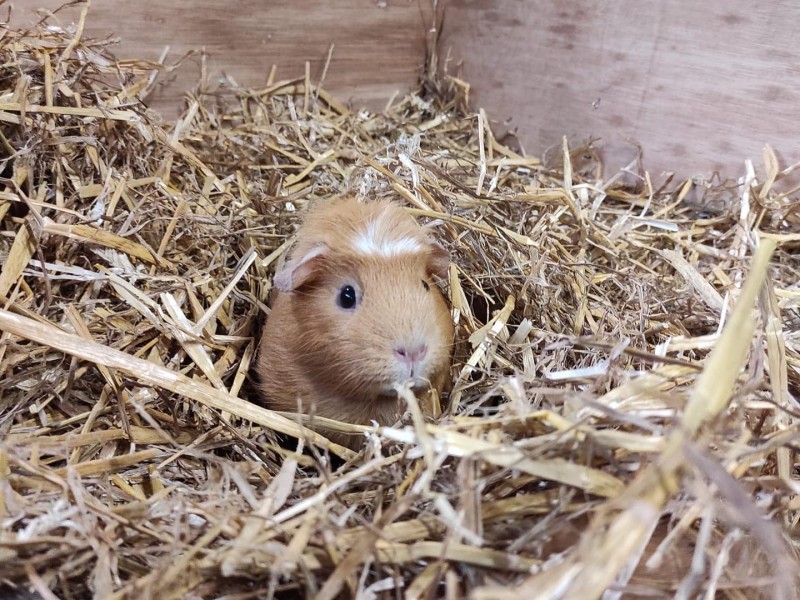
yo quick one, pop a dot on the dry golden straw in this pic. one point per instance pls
(624, 413)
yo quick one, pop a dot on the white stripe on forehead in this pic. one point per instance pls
(371, 243)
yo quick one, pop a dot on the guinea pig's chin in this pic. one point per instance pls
(388, 388)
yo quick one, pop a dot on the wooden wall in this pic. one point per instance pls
(701, 86)
(378, 47)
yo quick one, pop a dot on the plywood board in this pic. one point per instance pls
(378, 47)
(702, 86)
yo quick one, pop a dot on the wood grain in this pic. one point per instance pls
(701, 85)
(378, 50)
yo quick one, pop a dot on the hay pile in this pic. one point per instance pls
(599, 403)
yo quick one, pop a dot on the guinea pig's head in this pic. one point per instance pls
(362, 292)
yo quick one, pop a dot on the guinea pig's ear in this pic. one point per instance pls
(301, 269)
(438, 259)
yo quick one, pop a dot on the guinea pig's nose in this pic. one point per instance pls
(411, 353)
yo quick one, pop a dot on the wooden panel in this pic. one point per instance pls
(701, 85)
(378, 46)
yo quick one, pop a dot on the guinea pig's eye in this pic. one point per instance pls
(347, 297)
(426, 286)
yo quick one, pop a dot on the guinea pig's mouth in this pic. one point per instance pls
(418, 386)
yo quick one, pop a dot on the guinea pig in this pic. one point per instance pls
(356, 312)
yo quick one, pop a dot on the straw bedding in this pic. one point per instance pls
(624, 412)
